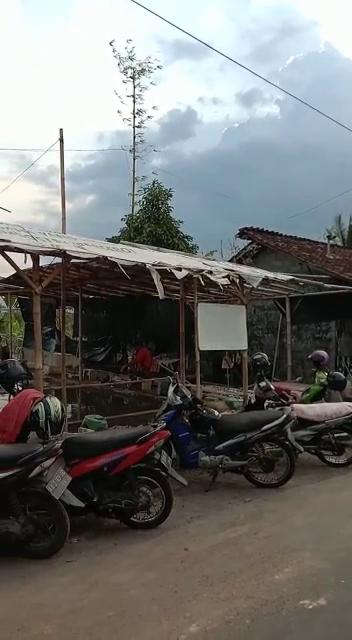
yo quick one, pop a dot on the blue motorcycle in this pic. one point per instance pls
(253, 444)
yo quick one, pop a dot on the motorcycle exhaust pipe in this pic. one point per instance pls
(220, 462)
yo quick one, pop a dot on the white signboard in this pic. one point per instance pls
(222, 327)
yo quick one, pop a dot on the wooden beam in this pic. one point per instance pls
(20, 272)
(51, 276)
(196, 341)
(37, 326)
(182, 333)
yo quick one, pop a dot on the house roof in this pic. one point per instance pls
(335, 260)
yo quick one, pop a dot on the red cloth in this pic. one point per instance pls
(14, 415)
(143, 358)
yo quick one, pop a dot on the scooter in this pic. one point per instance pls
(118, 474)
(31, 518)
(251, 444)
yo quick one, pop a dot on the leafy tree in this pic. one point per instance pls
(137, 78)
(154, 223)
(341, 232)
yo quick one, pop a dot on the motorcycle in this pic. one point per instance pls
(118, 474)
(323, 430)
(268, 394)
(31, 518)
(251, 444)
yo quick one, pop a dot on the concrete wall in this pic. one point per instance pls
(263, 322)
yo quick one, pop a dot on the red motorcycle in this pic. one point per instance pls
(118, 474)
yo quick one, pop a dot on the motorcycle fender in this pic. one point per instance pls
(166, 462)
(71, 500)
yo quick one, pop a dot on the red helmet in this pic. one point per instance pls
(319, 358)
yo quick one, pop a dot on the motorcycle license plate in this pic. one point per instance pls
(166, 460)
(59, 483)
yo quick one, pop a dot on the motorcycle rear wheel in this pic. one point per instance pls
(49, 520)
(342, 456)
(150, 481)
(263, 472)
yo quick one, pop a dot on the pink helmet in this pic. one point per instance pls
(319, 358)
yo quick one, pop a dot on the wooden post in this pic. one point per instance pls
(37, 327)
(288, 339)
(182, 334)
(196, 342)
(277, 344)
(9, 306)
(62, 181)
(80, 362)
(80, 352)
(63, 333)
(244, 357)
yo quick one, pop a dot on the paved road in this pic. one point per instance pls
(234, 563)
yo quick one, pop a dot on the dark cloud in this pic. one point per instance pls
(182, 49)
(177, 125)
(276, 36)
(251, 98)
(260, 172)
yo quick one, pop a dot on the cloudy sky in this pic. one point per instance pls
(236, 151)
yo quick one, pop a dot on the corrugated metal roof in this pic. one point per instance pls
(178, 265)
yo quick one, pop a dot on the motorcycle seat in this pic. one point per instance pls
(89, 445)
(235, 423)
(17, 453)
(322, 411)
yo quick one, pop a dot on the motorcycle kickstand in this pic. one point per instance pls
(214, 474)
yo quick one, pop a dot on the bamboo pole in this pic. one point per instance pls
(196, 342)
(37, 327)
(288, 339)
(63, 333)
(182, 334)
(62, 181)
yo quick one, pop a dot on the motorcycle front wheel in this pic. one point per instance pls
(272, 464)
(335, 447)
(48, 520)
(155, 499)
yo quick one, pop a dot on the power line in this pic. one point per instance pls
(31, 150)
(27, 168)
(244, 67)
(320, 204)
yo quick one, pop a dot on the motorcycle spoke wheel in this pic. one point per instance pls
(272, 464)
(48, 521)
(336, 448)
(155, 500)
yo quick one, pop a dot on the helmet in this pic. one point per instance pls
(47, 417)
(319, 358)
(260, 361)
(336, 381)
(12, 372)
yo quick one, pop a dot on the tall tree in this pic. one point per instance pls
(341, 232)
(154, 224)
(137, 78)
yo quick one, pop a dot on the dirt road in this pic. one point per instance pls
(233, 563)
